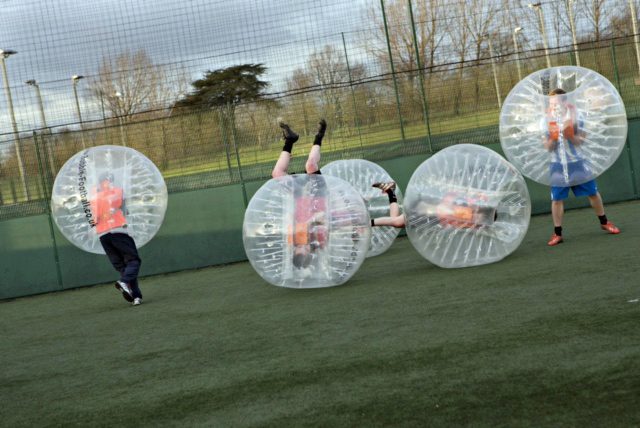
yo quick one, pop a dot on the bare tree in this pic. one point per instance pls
(430, 23)
(432, 14)
(131, 83)
(480, 22)
(598, 16)
(621, 24)
(460, 39)
(430, 20)
(507, 20)
(329, 70)
(560, 25)
(301, 104)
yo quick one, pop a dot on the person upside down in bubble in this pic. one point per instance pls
(308, 233)
(562, 140)
(107, 207)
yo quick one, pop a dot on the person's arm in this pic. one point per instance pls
(120, 205)
(571, 131)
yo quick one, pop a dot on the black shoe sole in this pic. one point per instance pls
(127, 296)
(380, 185)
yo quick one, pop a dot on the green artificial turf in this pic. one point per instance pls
(546, 337)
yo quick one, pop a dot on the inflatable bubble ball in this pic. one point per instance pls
(563, 126)
(466, 206)
(306, 231)
(361, 174)
(107, 188)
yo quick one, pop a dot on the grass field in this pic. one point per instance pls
(546, 337)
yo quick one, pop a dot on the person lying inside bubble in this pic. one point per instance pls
(465, 211)
(454, 209)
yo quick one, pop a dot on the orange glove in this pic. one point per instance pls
(568, 131)
(554, 131)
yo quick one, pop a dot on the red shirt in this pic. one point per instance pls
(457, 211)
(306, 230)
(106, 206)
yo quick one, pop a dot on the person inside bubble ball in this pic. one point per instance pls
(563, 139)
(453, 210)
(308, 234)
(107, 207)
(309, 231)
(465, 211)
(563, 126)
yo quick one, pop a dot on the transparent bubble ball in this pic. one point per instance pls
(466, 206)
(306, 231)
(144, 194)
(361, 174)
(563, 140)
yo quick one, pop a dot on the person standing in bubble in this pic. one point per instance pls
(309, 231)
(111, 227)
(563, 126)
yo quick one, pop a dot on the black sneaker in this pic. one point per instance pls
(126, 290)
(385, 187)
(287, 133)
(322, 126)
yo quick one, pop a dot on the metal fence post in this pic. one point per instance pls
(48, 140)
(425, 105)
(627, 143)
(44, 172)
(393, 71)
(234, 139)
(225, 140)
(165, 161)
(353, 94)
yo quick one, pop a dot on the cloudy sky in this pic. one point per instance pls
(56, 39)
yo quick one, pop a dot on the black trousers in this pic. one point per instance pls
(123, 255)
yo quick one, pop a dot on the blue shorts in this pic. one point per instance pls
(571, 172)
(585, 189)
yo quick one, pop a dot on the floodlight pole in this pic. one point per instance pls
(104, 118)
(572, 24)
(495, 73)
(538, 8)
(515, 45)
(123, 139)
(43, 120)
(634, 25)
(4, 54)
(75, 78)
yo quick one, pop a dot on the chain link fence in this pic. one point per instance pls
(388, 88)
